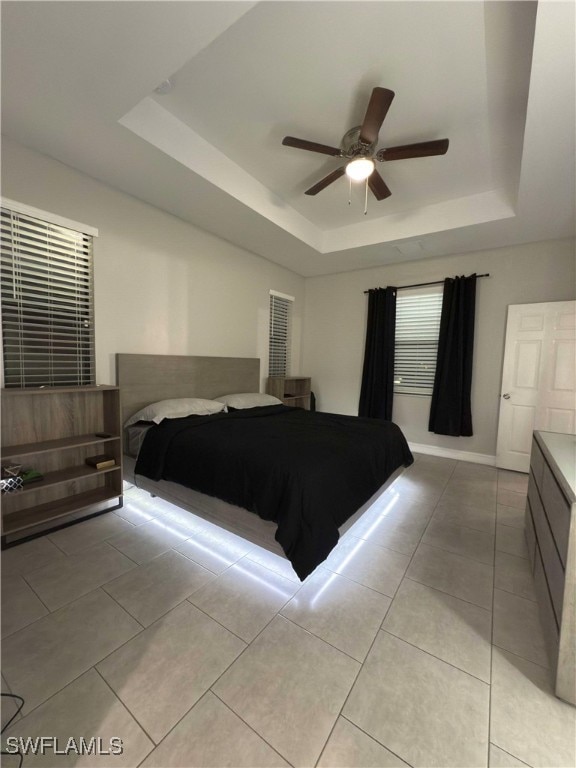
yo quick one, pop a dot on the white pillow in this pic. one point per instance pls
(176, 409)
(248, 400)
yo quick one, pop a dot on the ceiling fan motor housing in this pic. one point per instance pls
(351, 146)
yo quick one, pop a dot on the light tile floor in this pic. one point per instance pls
(416, 643)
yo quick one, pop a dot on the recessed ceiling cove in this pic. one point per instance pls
(85, 83)
(299, 68)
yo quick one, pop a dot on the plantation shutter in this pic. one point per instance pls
(47, 303)
(417, 327)
(280, 334)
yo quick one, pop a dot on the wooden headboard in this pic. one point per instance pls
(145, 379)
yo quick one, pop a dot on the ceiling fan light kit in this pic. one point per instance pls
(358, 146)
(360, 169)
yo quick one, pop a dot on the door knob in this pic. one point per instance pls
(506, 396)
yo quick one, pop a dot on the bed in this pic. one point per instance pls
(287, 479)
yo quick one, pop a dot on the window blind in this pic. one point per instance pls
(418, 314)
(280, 335)
(46, 303)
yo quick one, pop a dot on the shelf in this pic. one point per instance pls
(54, 430)
(60, 476)
(52, 510)
(46, 446)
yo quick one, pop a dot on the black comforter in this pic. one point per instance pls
(308, 472)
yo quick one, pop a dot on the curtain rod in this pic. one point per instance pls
(422, 285)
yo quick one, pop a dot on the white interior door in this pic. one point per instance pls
(538, 378)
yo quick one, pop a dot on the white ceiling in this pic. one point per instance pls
(496, 78)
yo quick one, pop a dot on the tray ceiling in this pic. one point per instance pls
(79, 82)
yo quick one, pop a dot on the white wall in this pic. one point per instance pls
(162, 286)
(335, 322)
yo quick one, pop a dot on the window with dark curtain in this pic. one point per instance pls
(418, 313)
(451, 410)
(377, 391)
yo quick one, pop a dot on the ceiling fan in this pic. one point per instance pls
(358, 146)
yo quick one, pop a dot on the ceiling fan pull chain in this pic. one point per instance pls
(366, 199)
(349, 191)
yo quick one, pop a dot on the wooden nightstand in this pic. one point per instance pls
(292, 390)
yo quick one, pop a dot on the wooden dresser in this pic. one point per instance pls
(551, 538)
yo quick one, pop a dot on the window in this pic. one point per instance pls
(280, 334)
(46, 301)
(417, 327)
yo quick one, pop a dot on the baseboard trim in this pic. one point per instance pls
(453, 453)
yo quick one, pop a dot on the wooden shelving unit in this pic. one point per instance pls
(53, 430)
(292, 390)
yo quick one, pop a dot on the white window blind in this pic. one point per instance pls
(418, 314)
(47, 303)
(280, 334)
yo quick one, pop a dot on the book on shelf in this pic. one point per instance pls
(102, 461)
(31, 475)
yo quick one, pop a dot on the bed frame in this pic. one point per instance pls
(145, 379)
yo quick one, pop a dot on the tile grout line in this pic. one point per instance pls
(360, 584)
(197, 607)
(209, 689)
(77, 597)
(383, 630)
(247, 645)
(93, 666)
(429, 653)
(162, 615)
(492, 643)
(67, 556)
(448, 594)
(125, 555)
(376, 740)
(492, 638)
(340, 712)
(451, 551)
(129, 711)
(119, 604)
(511, 755)
(517, 655)
(101, 587)
(509, 592)
(25, 580)
(278, 614)
(322, 639)
(247, 725)
(94, 589)
(52, 695)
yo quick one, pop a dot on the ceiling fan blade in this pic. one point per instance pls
(378, 186)
(323, 183)
(311, 146)
(378, 107)
(423, 149)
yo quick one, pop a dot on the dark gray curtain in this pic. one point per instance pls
(451, 411)
(377, 391)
